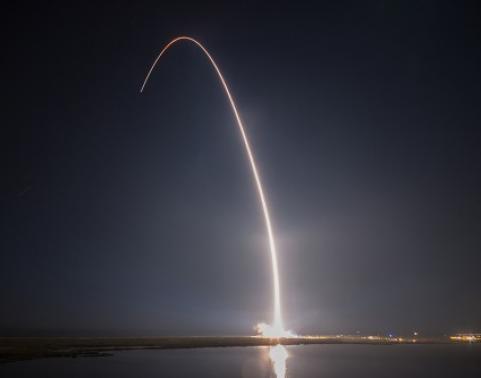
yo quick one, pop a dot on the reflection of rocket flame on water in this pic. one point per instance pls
(277, 327)
(278, 356)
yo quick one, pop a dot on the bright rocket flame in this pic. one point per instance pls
(268, 330)
(277, 328)
(278, 356)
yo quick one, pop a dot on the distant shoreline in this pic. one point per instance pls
(28, 348)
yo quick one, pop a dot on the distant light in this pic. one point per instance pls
(466, 338)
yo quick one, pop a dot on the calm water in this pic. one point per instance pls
(325, 361)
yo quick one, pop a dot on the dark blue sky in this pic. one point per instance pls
(137, 214)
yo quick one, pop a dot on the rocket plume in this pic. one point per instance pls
(277, 327)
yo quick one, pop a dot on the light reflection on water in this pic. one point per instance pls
(278, 356)
(307, 361)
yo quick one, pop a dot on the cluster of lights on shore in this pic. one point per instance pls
(278, 353)
(466, 337)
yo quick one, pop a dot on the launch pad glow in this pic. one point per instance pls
(276, 329)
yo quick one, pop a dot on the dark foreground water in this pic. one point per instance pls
(325, 361)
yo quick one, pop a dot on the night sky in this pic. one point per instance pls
(129, 214)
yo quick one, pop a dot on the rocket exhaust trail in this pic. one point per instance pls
(277, 328)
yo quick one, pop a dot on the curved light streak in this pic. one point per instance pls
(277, 328)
